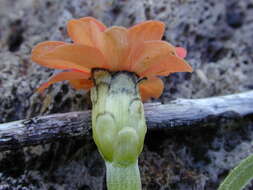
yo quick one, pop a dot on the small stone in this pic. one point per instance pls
(235, 18)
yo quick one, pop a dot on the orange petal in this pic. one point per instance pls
(166, 65)
(86, 32)
(80, 32)
(181, 52)
(43, 48)
(97, 37)
(145, 31)
(152, 87)
(146, 54)
(101, 26)
(69, 75)
(116, 46)
(81, 84)
(73, 56)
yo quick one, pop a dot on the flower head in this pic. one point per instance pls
(138, 49)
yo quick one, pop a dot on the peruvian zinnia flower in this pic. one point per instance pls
(111, 62)
(138, 49)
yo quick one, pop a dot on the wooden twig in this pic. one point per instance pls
(180, 113)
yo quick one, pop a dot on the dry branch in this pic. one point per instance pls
(180, 113)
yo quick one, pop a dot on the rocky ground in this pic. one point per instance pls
(218, 36)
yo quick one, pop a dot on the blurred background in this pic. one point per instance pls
(219, 39)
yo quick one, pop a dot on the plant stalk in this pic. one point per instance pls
(123, 177)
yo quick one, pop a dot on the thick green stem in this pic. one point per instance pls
(123, 177)
(118, 126)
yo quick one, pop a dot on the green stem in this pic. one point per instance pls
(123, 178)
(118, 126)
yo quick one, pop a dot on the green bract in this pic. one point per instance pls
(118, 126)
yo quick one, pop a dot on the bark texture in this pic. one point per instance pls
(181, 113)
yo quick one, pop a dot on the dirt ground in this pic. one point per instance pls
(219, 39)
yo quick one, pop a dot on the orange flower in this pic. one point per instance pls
(138, 49)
